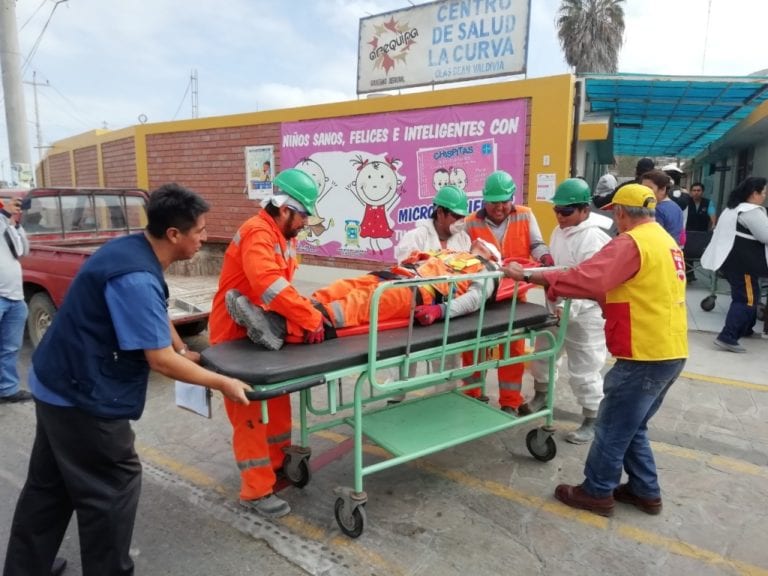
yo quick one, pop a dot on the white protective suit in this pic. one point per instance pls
(585, 337)
(424, 239)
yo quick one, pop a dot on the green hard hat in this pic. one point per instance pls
(572, 191)
(499, 187)
(453, 199)
(300, 186)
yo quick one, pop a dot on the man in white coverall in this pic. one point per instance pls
(578, 236)
(444, 230)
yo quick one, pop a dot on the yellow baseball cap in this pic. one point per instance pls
(635, 195)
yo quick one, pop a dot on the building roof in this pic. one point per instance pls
(673, 116)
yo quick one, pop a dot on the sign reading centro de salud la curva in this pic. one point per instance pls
(377, 174)
(444, 41)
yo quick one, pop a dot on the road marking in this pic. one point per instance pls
(712, 460)
(673, 545)
(299, 525)
(725, 381)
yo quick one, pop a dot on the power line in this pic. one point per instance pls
(33, 15)
(183, 98)
(36, 45)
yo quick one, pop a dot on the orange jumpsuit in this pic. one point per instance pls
(260, 263)
(516, 244)
(348, 301)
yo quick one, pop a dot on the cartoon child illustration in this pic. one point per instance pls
(440, 178)
(376, 187)
(458, 178)
(315, 224)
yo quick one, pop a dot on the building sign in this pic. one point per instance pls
(259, 162)
(377, 174)
(439, 42)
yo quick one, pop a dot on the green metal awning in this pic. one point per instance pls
(672, 115)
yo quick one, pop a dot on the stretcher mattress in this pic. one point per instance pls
(257, 366)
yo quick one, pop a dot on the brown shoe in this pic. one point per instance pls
(575, 497)
(648, 505)
(524, 410)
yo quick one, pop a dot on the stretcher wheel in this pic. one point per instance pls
(708, 303)
(543, 450)
(352, 524)
(298, 474)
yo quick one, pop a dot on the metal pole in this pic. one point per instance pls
(38, 132)
(15, 111)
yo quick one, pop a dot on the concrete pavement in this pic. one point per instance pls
(485, 507)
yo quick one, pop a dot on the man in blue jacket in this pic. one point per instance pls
(89, 378)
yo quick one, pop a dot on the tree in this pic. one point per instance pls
(591, 33)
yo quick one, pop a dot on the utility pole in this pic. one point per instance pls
(193, 82)
(38, 131)
(15, 111)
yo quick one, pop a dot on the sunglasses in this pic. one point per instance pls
(564, 210)
(301, 213)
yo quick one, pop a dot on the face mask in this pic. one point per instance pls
(457, 227)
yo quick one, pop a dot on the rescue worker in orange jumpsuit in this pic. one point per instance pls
(260, 262)
(513, 230)
(346, 303)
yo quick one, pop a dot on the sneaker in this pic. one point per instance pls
(269, 506)
(730, 347)
(575, 497)
(19, 396)
(583, 434)
(648, 505)
(264, 328)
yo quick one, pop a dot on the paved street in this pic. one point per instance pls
(485, 507)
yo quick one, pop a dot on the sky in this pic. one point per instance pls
(105, 63)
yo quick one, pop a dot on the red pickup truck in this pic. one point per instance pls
(66, 225)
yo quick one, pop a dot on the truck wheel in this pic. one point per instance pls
(191, 329)
(41, 313)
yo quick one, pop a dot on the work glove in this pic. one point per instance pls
(547, 260)
(318, 335)
(427, 314)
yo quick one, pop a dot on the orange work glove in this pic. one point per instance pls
(427, 314)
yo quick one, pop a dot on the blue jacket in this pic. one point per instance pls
(79, 357)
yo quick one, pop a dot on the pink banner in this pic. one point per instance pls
(377, 174)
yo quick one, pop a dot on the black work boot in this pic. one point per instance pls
(264, 328)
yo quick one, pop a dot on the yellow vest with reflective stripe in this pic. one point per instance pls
(646, 318)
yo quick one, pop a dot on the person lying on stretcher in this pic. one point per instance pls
(345, 303)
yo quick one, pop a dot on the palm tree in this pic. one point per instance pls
(591, 33)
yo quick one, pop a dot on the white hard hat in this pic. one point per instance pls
(671, 168)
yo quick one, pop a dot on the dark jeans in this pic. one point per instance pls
(634, 392)
(742, 313)
(83, 464)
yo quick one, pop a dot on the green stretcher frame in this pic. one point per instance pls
(423, 425)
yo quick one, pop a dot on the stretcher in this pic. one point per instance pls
(422, 424)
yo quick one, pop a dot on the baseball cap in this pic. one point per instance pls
(644, 165)
(671, 168)
(635, 195)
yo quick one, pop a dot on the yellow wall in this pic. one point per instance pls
(551, 113)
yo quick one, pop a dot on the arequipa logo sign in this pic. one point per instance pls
(444, 41)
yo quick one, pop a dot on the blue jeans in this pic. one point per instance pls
(634, 392)
(13, 314)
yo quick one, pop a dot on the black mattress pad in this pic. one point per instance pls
(257, 366)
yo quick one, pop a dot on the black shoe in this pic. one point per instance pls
(20, 396)
(59, 565)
